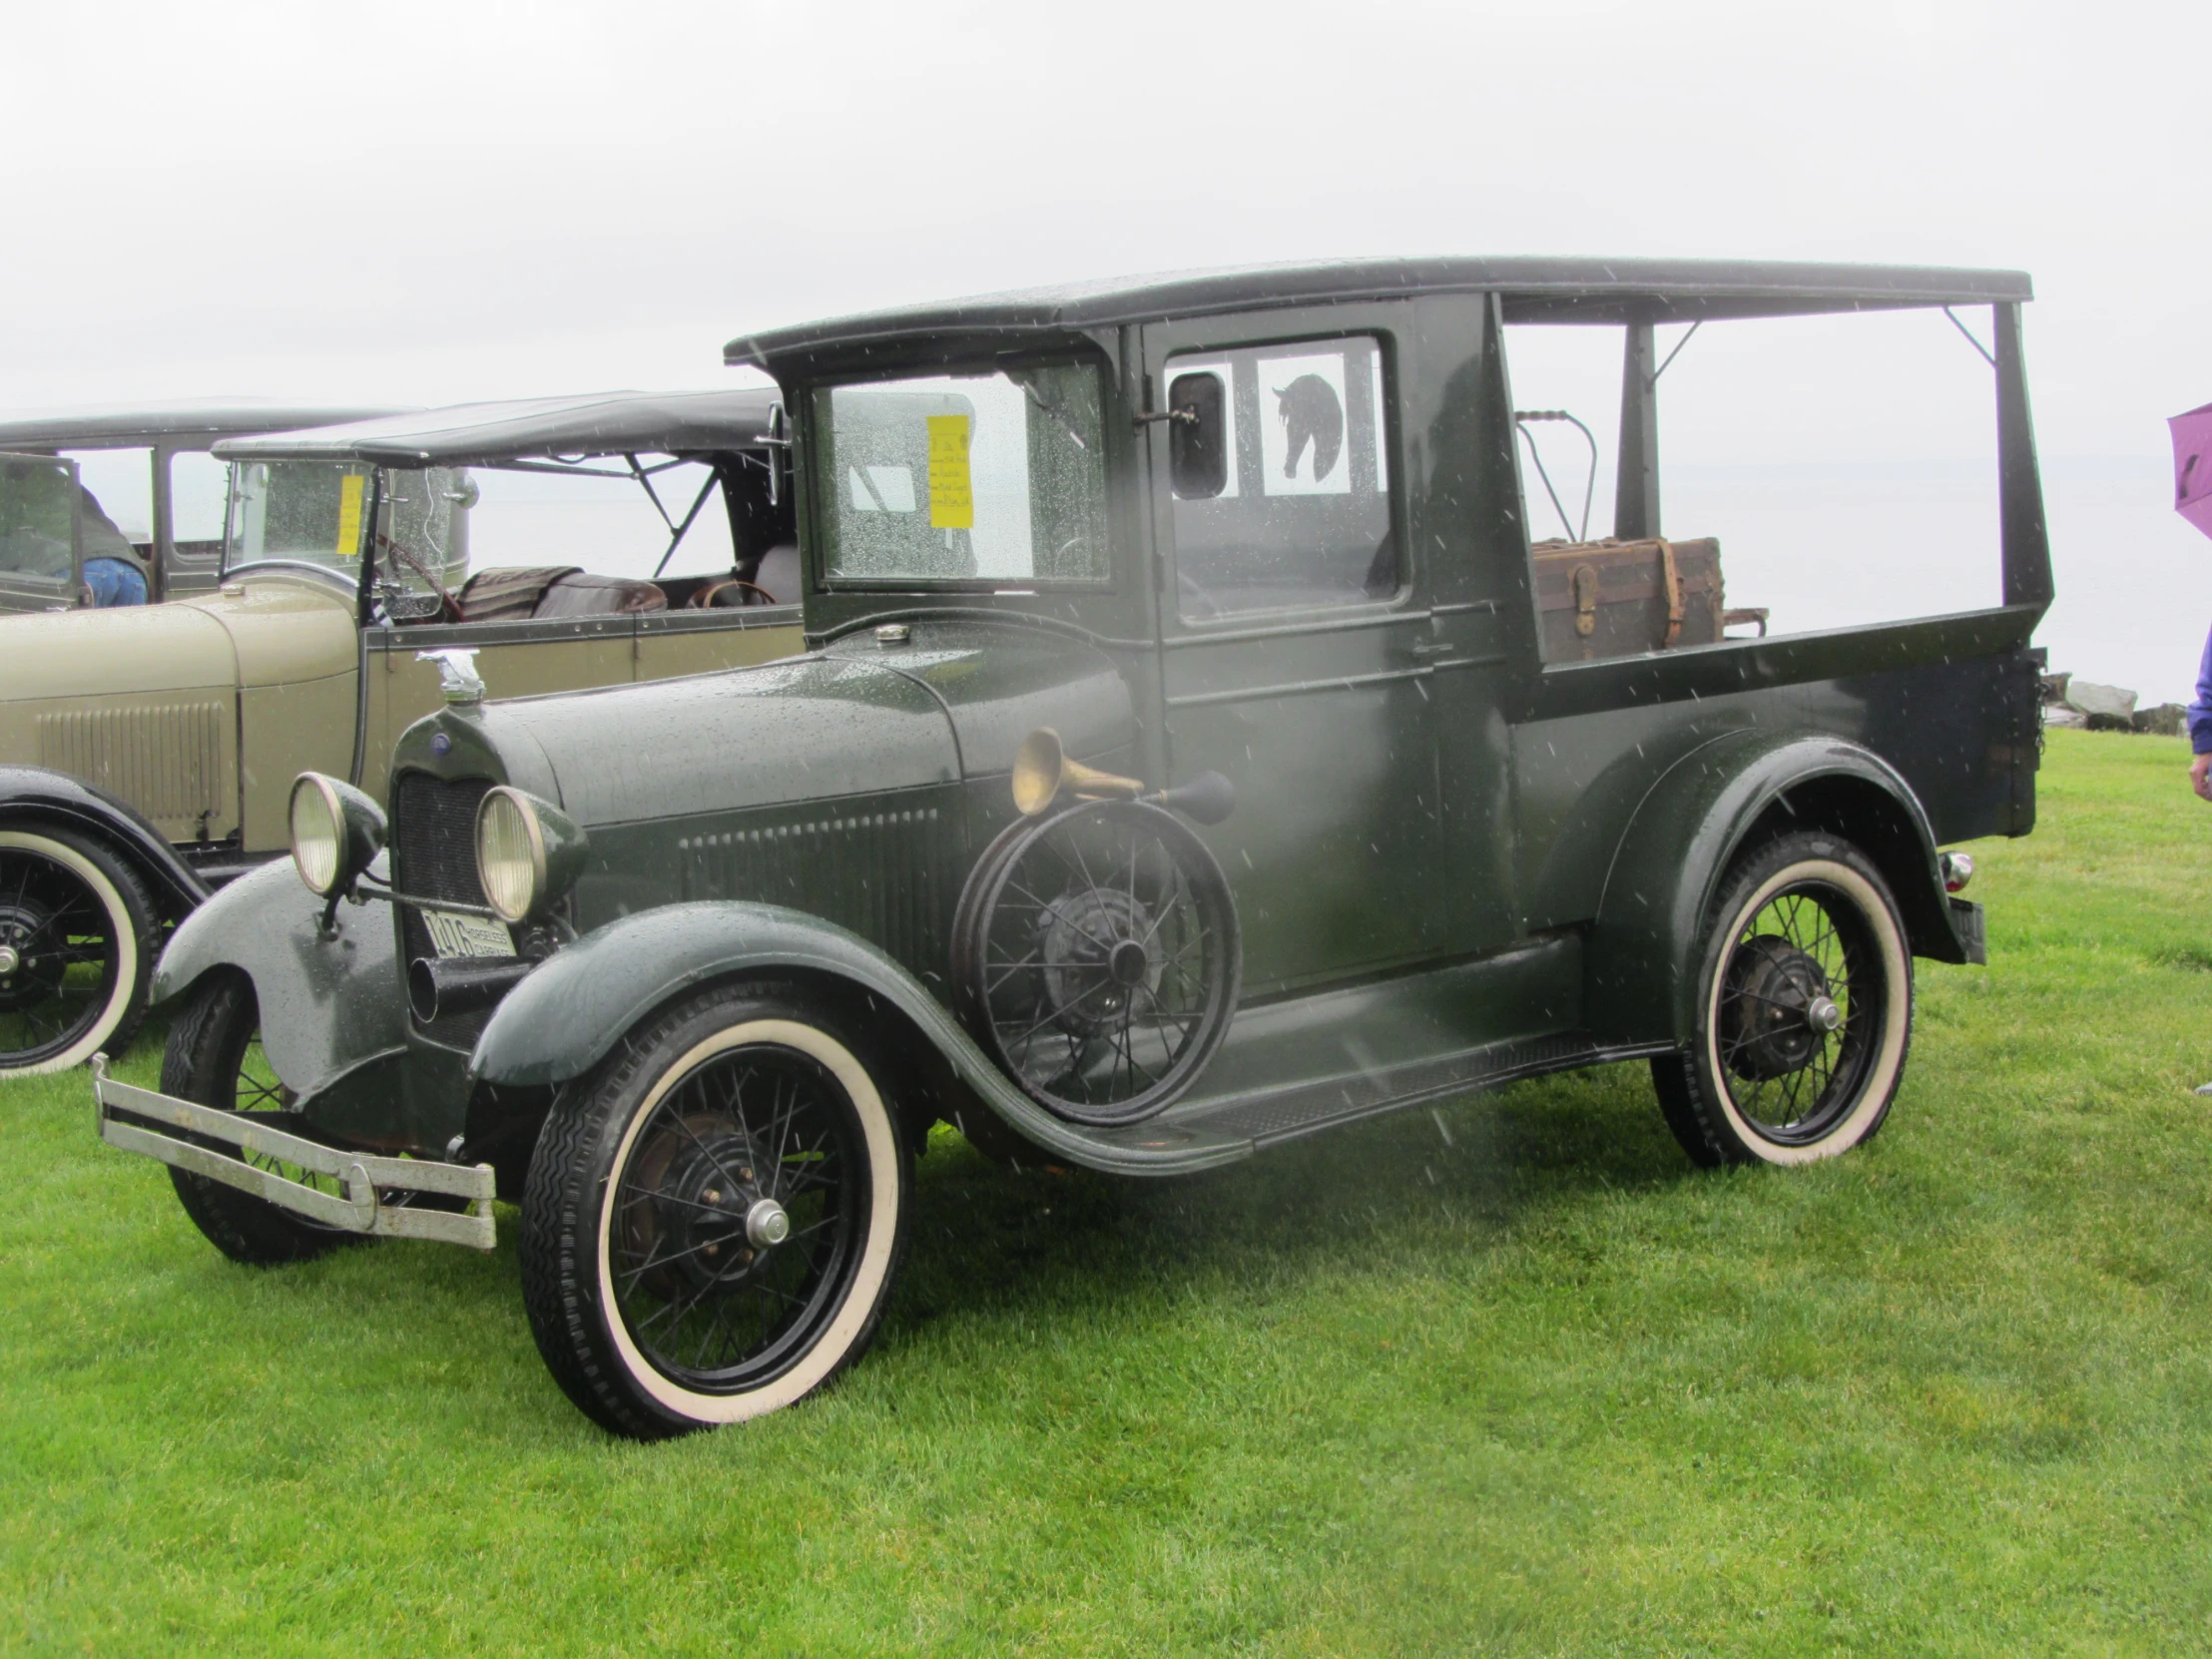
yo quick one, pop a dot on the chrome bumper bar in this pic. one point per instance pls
(155, 1125)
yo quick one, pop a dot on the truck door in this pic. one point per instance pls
(1291, 638)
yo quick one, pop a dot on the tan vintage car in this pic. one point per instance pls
(134, 485)
(147, 752)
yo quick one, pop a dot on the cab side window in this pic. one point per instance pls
(1280, 478)
(118, 486)
(198, 484)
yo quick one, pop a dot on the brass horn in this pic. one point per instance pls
(1043, 773)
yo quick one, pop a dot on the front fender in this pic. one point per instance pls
(570, 1014)
(330, 1007)
(1668, 866)
(37, 793)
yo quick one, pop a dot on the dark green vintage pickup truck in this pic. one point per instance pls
(1196, 748)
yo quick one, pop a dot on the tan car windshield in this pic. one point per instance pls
(312, 512)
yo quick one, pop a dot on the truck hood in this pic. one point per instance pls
(853, 720)
(273, 631)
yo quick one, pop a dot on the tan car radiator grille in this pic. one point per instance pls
(167, 761)
(878, 873)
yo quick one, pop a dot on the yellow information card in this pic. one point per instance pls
(349, 516)
(951, 496)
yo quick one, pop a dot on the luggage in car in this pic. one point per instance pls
(1619, 598)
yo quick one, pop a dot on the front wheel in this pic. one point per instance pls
(713, 1218)
(215, 1058)
(1804, 1010)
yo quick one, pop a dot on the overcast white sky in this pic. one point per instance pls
(431, 203)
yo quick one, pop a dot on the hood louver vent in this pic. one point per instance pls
(166, 760)
(880, 874)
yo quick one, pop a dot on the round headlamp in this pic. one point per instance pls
(337, 831)
(526, 854)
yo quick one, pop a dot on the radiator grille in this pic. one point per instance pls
(167, 760)
(880, 874)
(433, 856)
(434, 844)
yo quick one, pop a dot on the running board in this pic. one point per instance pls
(160, 1126)
(1256, 1119)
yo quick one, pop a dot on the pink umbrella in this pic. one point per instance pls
(2193, 466)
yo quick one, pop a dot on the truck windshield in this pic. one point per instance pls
(311, 512)
(996, 477)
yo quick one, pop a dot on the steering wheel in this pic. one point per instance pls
(704, 599)
(449, 608)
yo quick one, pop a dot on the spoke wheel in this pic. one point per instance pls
(1805, 998)
(710, 1227)
(75, 957)
(215, 1058)
(1097, 960)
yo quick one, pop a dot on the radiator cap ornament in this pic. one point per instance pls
(457, 677)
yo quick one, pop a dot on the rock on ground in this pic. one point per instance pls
(2088, 698)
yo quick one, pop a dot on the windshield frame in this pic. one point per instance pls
(814, 450)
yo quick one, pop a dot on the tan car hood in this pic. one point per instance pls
(276, 632)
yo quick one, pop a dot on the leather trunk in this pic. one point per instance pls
(1621, 598)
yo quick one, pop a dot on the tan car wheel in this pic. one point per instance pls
(1805, 999)
(713, 1220)
(75, 926)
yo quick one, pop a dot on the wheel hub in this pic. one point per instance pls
(1098, 961)
(766, 1223)
(29, 975)
(715, 1223)
(1775, 1009)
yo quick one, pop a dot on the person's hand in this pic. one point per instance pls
(2200, 776)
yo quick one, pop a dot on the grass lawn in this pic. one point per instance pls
(1510, 1378)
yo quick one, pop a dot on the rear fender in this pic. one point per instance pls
(1668, 867)
(333, 1006)
(32, 795)
(569, 1015)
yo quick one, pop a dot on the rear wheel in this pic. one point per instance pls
(1804, 1010)
(215, 1058)
(713, 1219)
(75, 925)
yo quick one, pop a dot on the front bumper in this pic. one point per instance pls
(381, 1193)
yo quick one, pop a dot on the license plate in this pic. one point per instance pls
(455, 934)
